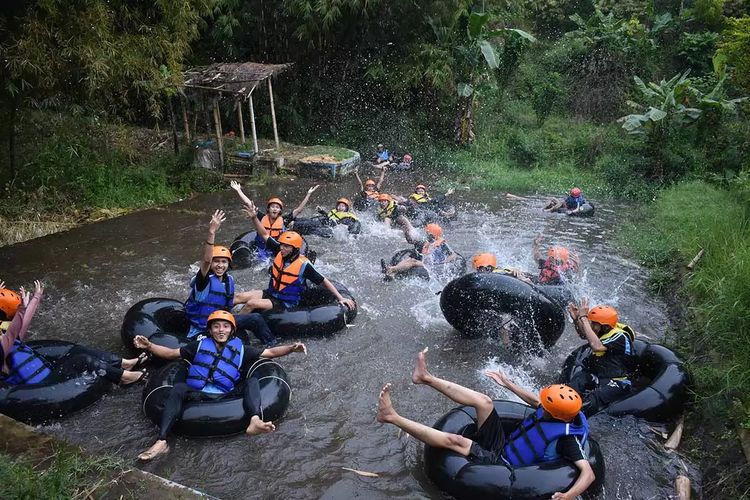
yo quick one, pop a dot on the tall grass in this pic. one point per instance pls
(682, 220)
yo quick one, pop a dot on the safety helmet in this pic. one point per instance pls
(277, 201)
(345, 201)
(604, 315)
(434, 230)
(561, 401)
(407, 158)
(384, 197)
(221, 314)
(484, 260)
(560, 253)
(9, 302)
(575, 192)
(370, 182)
(292, 239)
(380, 146)
(220, 251)
(420, 186)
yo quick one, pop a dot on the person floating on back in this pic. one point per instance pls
(487, 263)
(430, 252)
(557, 429)
(341, 214)
(383, 157)
(289, 273)
(604, 378)
(370, 190)
(573, 204)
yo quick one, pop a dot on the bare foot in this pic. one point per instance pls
(127, 364)
(257, 426)
(159, 448)
(129, 377)
(386, 413)
(420, 375)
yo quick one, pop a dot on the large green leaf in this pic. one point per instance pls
(476, 23)
(488, 51)
(464, 89)
(654, 114)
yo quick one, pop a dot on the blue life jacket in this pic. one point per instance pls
(287, 279)
(220, 369)
(535, 440)
(383, 155)
(26, 365)
(218, 294)
(572, 202)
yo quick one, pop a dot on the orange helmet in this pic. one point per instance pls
(370, 182)
(561, 401)
(9, 302)
(420, 186)
(220, 251)
(220, 314)
(560, 253)
(575, 192)
(292, 239)
(604, 315)
(384, 197)
(275, 200)
(484, 260)
(345, 201)
(434, 230)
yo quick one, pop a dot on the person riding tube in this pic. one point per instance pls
(487, 263)
(9, 303)
(213, 288)
(216, 367)
(558, 266)
(272, 220)
(383, 157)
(557, 428)
(390, 212)
(369, 191)
(574, 204)
(289, 273)
(341, 214)
(433, 251)
(605, 377)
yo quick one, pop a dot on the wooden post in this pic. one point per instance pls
(273, 114)
(185, 121)
(239, 119)
(217, 124)
(252, 123)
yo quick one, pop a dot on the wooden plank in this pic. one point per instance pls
(239, 118)
(252, 123)
(273, 115)
(217, 125)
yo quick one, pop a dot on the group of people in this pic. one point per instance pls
(219, 358)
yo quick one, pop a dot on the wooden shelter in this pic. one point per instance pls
(236, 81)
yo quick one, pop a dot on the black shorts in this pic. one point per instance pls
(278, 305)
(489, 441)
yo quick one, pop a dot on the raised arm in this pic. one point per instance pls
(502, 379)
(283, 350)
(579, 315)
(238, 188)
(160, 351)
(361, 186)
(302, 204)
(536, 247)
(381, 178)
(208, 248)
(21, 320)
(252, 213)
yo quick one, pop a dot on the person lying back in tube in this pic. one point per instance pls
(557, 429)
(558, 266)
(340, 214)
(370, 190)
(487, 263)
(272, 220)
(573, 203)
(390, 212)
(212, 288)
(604, 378)
(20, 364)
(432, 251)
(217, 364)
(421, 198)
(383, 157)
(289, 273)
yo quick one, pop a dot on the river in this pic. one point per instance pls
(94, 273)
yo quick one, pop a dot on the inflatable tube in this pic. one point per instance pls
(562, 294)
(425, 213)
(210, 415)
(37, 403)
(472, 303)
(461, 478)
(319, 313)
(162, 321)
(364, 203)
(587, 210)
(320, 226)
(660, 382)
(244, 254)
(452, 268)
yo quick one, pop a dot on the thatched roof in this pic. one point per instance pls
(232, 78)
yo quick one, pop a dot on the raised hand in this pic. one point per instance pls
(313, 189)
(38, 288)
(216, 219)
(499, 377)
(250, 210)
(236, 186)
(25, 297)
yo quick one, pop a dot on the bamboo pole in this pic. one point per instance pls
(252, 123)
(674, 440)
(217, 125)
(239, 118)
(695, 260)
(185, 120)
(273, 114)
(682, 487)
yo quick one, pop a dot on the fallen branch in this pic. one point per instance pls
(695, 260)
(361, 472)
(674, 439)
(514, 197)
(682, 487)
